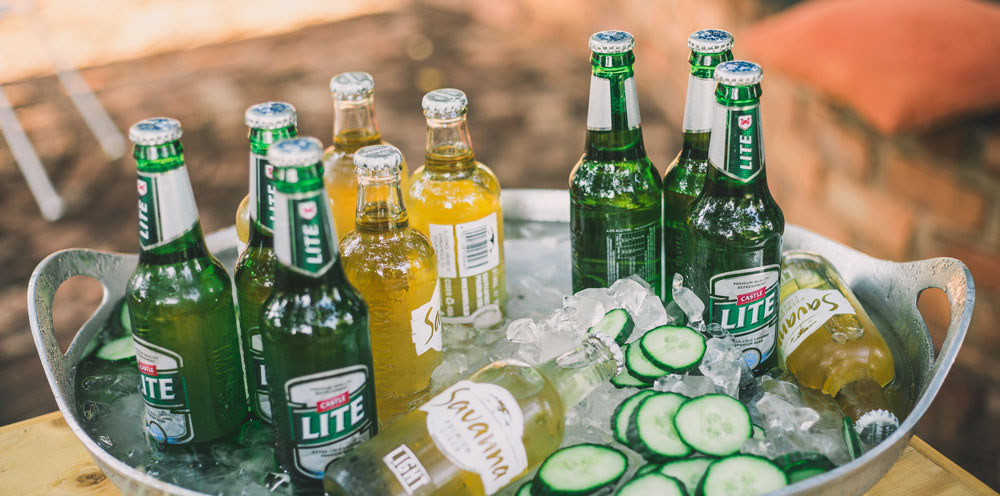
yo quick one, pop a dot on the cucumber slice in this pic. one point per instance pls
(124, 319)
(639, 366)
(625, 379)
(689, 471)
(578, 470)
(803, 465)
(652, 484)
(713, 424)
(674, 349)
(524, 490)
(854, 446)
(651, 429)
(647, 468)
(758, 432)
(617, 324)
(623, 413)
(803, 473)
(119, 349)
(742, 474)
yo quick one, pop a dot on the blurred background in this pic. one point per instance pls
(881, 118)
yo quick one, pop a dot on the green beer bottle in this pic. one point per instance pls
(269, 122)
(732, 252)
(615, 192)
(317, 349)
(180, 301)
(686, 174)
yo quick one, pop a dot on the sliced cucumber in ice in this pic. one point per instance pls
(854, 446)
(579, 469)
(758, 432)
(639, 366)
(119, 349)
(524, 490)
(651, 429)
(623, 413)
(125, 319)
(689, 471)
(742, 475)
(647, 468)
(714, 424)
(617, 324)
(652, 484)
(674, 349)
(625, 379)
(803, 465)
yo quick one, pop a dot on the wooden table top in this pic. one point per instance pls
(42, 456)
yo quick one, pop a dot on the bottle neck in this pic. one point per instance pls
(304, 237)
(700, 103)
(866, 404)
(613, 124)
(262, 177)
(577, 373)
(736, 146)
(380, 205)
(168, 216)
(354, 125)
(449, 147)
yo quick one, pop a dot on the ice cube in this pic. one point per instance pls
(522, 331)
(487, 317)
(555, 343)
(457, 335)
(777, 413)
(452, 368)
(689, 303)
(691, 386)
(721, 363)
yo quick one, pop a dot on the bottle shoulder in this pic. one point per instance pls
(474, 186)
(634, 181)
(183, 282)
(255, 267)
(748, 218)
(390, 254)
(319, 307)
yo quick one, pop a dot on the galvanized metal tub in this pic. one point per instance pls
(888, 291)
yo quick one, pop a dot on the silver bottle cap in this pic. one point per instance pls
(155, 131)
(738, 73)
(613, 348)
(352, 85)
(874, 426)
(710, 41)
(295, 152)
(378, 161)
(445, 103)
(270, 115)
(611, 42)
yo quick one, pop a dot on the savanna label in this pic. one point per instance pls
(164, 391)
(745, 303)
(259, 373)
(166, 206)
(330, 415)
(425, 324)
(304, 236)
(407, 469)
(262, 192)
(469, 264)
(479, 428)
(736, 148)
(804, 312)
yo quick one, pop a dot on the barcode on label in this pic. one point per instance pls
(478, 246)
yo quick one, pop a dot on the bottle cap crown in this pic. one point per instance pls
(876, 425)
(710, 41)
(295, 152)
(155, 131)
(611, 42)
(270, 115)
(445, 103)
(378, 161)
(738, 73)
(352, 85)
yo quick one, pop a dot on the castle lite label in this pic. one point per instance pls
(310, 253)
(745, 303)
(168, 415)
(164, 188)
(260, 377)
(740, 154)
(262, 192)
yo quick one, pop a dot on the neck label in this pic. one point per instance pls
(807, 310)
(161, 379)
(479, 428)
(410, 473)
(736, 148)
(745, 303)
(262, 192)
(166, 207)
(304, 237)
(699, 105)
(600, 108)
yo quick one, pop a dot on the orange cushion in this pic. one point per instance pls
(902, 65)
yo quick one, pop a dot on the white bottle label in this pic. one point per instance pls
(166, 206)
(805, 311)
(425, 324)
(260, 376)
(161, 380)
(468, 265)
(599, 109)
(479, 428)
(745, 303)
(408, 470)
(699, 105)
(329, 416)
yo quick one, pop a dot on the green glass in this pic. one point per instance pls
(317, 349)
(685, 176)
(183, 318)
(615, 192)
(732, 249)
(255, 269)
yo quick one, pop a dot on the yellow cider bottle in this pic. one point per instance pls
(394, 268)
(828, 342)
(354, 127)
(455, 201)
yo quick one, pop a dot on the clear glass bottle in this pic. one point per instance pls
(395, 269)
(454, 200)
(354, 127)
(521, 408)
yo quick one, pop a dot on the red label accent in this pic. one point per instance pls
(307, 210)
(750, 297)
(147, 369)
(330, 404)
(269, 171)
(744, 121)
(141, 187)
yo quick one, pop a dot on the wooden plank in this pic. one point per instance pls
(42, 456)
